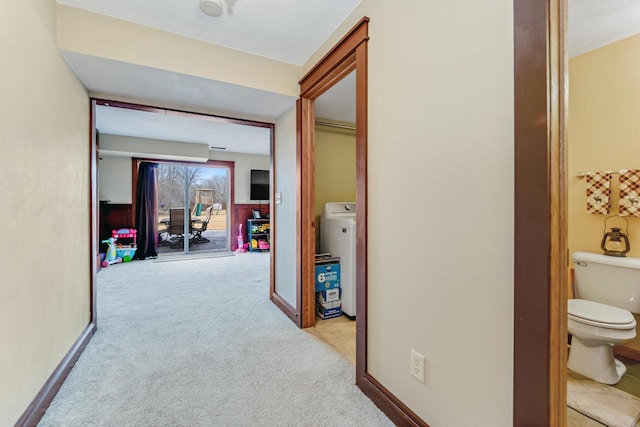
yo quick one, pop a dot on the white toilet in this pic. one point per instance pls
(607, 292)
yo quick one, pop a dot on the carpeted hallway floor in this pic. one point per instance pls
(198, 343)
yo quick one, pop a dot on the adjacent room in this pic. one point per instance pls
(604, 169)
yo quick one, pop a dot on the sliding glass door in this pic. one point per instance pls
(193, 202)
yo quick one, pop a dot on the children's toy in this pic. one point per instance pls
(241, 244)
(110, 257)
(126, 251)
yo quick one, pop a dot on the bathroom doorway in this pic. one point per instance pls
(602, 137)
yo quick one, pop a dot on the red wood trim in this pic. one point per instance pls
(241, 213)
(307, 211)
(397, 411)
(299, 302)
(94, 213)
(362, 210)
(347, 45)
(135, 164)
(231, 216)
(627, 352)
(285, 307)
(112, 217)
(332, 77)
(272, 216)
(181, 113)
(540, 281)
(37, 408)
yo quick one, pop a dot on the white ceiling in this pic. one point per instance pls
(265, 28)
(597, 23)
(286, 30)
(339, 102)
(142, 124)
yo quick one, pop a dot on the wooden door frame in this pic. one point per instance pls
(348, 55)
(541, 258)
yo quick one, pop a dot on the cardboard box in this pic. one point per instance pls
(329, 310)
(330, 295)
(327, 275)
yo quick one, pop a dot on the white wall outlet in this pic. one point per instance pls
(417, 366)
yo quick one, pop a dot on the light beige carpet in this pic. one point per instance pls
(198, 343)
(603, 403)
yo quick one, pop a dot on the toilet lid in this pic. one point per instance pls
(602, 315)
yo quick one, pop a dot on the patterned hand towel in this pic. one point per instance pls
(629, 192)
(598, 192)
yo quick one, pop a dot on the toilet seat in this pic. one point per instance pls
(600, 315)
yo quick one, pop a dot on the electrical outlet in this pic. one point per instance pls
(417, 366)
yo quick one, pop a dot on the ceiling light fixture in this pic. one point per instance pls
(211, 7)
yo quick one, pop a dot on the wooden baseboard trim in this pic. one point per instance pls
(393, 408)
(286, 308)
(36, 410)
(628, 352)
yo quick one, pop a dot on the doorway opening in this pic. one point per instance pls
(234, 153)
(335, 216)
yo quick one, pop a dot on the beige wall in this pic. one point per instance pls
(440, 186)
(286, 220)
(604, 124)
(160, 149)
(86, 32)
(114, 179)
(335, 166)
(44, 188)
(335, 169)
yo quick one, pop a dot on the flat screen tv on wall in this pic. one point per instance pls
(259, 184)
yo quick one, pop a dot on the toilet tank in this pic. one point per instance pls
(609, 280)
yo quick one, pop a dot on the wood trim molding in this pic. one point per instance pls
(398, 412)
(337, 56)
(362, 311)
(94, 215)
(627, 352)
(540, 275)
(285, 307)
(307, 211)
(299, 282)
(36, 410)
(273, 222)
(558, 94)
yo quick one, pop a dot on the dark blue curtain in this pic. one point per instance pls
(147, 211)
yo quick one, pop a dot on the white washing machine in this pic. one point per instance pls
(338, 237)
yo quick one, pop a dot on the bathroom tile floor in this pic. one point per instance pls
(631, 380)
(340, 333)
(611, 406)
